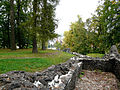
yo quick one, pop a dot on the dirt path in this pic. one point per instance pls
(96, 80)
(38, 55)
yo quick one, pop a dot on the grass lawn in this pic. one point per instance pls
(95, 55)
(25, 60)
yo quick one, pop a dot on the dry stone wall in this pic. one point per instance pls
(61, 76)
(114, 58)
(57, 77)
(109, 63)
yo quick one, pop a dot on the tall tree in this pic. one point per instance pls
(12, 23)
(109, 19)
(48, 21)
(34, 27)
(18, 24)
(27, 23)
(77, 38)
(22, 15)
(4, 24)
(44, 23)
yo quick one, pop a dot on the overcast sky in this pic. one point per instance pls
(67, 11)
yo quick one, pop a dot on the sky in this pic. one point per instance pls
(67, 11)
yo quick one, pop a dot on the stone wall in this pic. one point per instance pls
(57, 77)
(116, 70)
(61, 76)
(90, 63)
(114, 57)
(109, 63)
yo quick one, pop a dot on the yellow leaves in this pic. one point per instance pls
(114, 2)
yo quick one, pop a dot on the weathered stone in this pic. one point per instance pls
(61, 76)
(113, 50)
(66, 50)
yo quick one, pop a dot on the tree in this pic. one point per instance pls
(18, 24)
(21, 14)
(109, 19)
(77, 37)
(27, 23)
(48, 22)
(67, 41)
(13, 46)
(105, 25)
(58, 44)
(34, 26)
(4, 24)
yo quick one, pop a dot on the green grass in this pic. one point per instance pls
(7, 53)
(95, 55)
(24, 60)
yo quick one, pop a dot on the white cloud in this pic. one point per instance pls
(68, 10)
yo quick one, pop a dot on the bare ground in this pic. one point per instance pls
(96, 80)
(43, 55)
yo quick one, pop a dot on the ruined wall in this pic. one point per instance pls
(116, 70)
(114, 57)
(90, 63)
(109, 63)
(57, 77)
(61, 76)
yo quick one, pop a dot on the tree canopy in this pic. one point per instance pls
(23, 23)
(98, 33)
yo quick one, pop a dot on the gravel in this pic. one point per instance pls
(96, 80)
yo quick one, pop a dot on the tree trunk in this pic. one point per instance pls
(13, 46)
(44, 22)
(43, 45)
(34, 45)
(18, 23)
(4, 41)
(8, 33)
(34, 32)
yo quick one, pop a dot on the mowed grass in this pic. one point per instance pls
(24, 60)
(95, 55)
(7, 53)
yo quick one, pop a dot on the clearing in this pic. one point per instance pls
(25, 60)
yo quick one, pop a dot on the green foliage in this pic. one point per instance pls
(108, 19)
(31, 20)
(21, 34)
(78, 39)
(98, 33)
(58, 45)
(81, 75)
(4, 23)
(48, 21)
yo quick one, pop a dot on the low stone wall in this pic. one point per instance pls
(61, 76)
(90, 63)
(116, 70)
(114, 57)
(114, 60)
(109, 63)
(57, 77)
